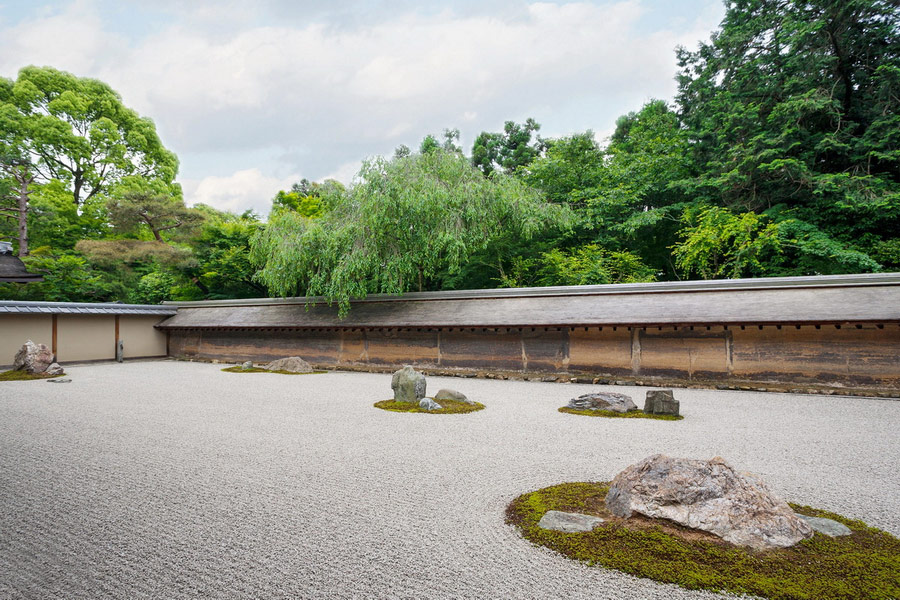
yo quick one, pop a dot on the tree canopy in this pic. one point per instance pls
(406, 221)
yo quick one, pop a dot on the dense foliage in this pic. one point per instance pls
(779, 156)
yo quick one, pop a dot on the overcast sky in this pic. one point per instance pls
(255, 95)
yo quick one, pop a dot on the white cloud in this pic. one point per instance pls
(318, 96)
(245, 189)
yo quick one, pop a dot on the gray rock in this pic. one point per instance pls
(661, 402)
(828, 527)
(429, 404)
(568, 522)
(408, 385)
(120, 351)
(710, 496)
(603, 401)
(54, 369)
(33, 358)
(246, 366)
(293, 364)
(64, 380)
(446, 394)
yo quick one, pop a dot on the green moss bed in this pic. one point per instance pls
(448, 407)
(611, 414)
(239, 369)
(25, 376)
(864, 564)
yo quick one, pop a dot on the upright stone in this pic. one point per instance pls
(33, 358)
(120, 351)
(708, 495)
(661, 402)
(408, 385)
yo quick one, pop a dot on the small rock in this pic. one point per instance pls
(247, 365)
(568, 522)
(828, 527)
(429, 404)
(408, 385)
(54, 369)
(33, 358)
(64, 380)
(603, 401)
(292, 364)
(661, 402)
(446, 394)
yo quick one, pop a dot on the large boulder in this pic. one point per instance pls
(408, 385)
(708, 495)
(292, 364)
(603, 401)
(33, 358)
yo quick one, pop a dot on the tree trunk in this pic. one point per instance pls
(23, 216)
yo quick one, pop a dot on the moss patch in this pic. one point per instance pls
(611, 414)
(448, 407)
(25, 376)
(864, 564)
(239, 369)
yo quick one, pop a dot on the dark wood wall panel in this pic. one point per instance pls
(850, 355)
(546, 349)
(482, 349)
(867, 355)
(398, 347)
(602, 351)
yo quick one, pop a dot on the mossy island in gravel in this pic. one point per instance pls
(864, 564)
(632, 414)
(448, 407)
(19, 375)
(240, 369)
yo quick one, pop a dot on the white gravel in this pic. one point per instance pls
(175, 480)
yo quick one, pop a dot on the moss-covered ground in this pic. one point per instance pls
(448, 407)
(864, 564)
(611, 414)
(239, 369)
(25, 376)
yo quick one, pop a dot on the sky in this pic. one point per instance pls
(254, 96)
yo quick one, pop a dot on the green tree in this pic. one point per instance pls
(510, 150)
(405, 222)
(77, 130)
(150, 204)
(793, 106)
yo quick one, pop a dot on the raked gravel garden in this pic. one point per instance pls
(168, 479)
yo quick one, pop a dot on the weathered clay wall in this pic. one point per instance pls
(850, 355)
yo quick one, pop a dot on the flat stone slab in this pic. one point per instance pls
(568, 522)
(66, 380)
(828, 527)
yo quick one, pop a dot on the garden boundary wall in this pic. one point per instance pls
(79, 332)
(827, 331)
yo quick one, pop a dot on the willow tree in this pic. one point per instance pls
(405, 221)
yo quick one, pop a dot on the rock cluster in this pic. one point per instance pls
(603, 401)
(708, 495)
(409, 386)
(292, 364)
(36, 358)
